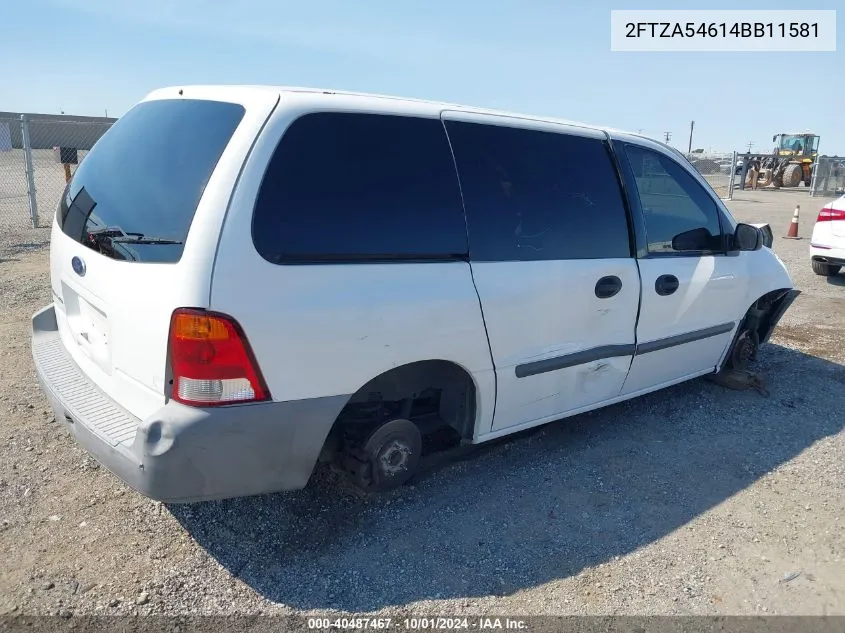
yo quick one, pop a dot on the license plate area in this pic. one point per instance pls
(88, 326)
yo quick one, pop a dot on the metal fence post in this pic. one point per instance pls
(733, 177)
(30, 173)
(814, 177)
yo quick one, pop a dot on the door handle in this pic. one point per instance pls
(607, 287)
(666, 285)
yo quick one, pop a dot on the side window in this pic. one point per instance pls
(536, 195)
(679, 214)
(353, 187)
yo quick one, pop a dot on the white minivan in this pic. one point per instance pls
(249, 280)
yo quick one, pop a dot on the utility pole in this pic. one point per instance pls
(691, 126)
(639, 130)
(667, 136)
(750, 145)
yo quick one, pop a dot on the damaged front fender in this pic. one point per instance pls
(774, 308)
(757, 327)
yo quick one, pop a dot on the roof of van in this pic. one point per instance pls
(423, 105)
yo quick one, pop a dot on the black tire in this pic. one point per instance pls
(792, 175)
(824, 269)
(392, 452)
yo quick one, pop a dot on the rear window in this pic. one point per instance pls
(134, 195)
(535, 195)
(360, 187)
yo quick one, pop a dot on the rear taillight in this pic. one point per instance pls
(211, 361)
(827, 215)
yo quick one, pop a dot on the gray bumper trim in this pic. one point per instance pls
(81, 399)
(183, 454)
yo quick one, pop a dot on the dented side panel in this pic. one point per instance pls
(556, 346)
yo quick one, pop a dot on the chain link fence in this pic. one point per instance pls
(14, 205)
(38, 156)
(726, 172)
(772, 172)
(828, 176)
(718, 169)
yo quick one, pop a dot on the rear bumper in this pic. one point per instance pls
(827, 254)
(183, 454)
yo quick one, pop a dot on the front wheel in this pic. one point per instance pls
(824, 269)
(792, 175)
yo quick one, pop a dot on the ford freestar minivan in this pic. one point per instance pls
(249, 280)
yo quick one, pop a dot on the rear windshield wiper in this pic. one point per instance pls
(119, 236)
(144, 240)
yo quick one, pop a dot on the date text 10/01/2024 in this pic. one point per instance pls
(722, 29)
(418, 623)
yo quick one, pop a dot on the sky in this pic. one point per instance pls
(541, 57)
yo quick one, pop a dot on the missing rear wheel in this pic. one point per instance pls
(389, 456)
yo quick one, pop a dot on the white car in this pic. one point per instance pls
(248, 280)
(827, 245)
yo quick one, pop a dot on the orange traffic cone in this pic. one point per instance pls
(792, 233)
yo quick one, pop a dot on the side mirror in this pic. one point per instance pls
(766, 230)
(694, 240)
(747, 238)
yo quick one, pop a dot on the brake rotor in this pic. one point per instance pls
(393, 454)
(744, 350)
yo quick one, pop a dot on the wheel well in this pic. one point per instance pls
(421, 389)
(766, 311)
(762, 316)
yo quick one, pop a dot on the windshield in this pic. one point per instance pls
(135, 194)
(799, 142)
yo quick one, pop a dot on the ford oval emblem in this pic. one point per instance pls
(78, 266)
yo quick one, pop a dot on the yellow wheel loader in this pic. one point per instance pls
(791, 162)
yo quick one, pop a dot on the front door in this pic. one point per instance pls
(552, 263)
(692, 290)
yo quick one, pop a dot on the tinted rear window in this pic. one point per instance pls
(360, 187)
(135, 194)
(536, 195)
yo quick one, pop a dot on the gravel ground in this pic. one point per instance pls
(694, 500)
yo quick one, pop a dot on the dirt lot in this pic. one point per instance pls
(695, 500)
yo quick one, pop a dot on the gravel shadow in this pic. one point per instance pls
(537, 508)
